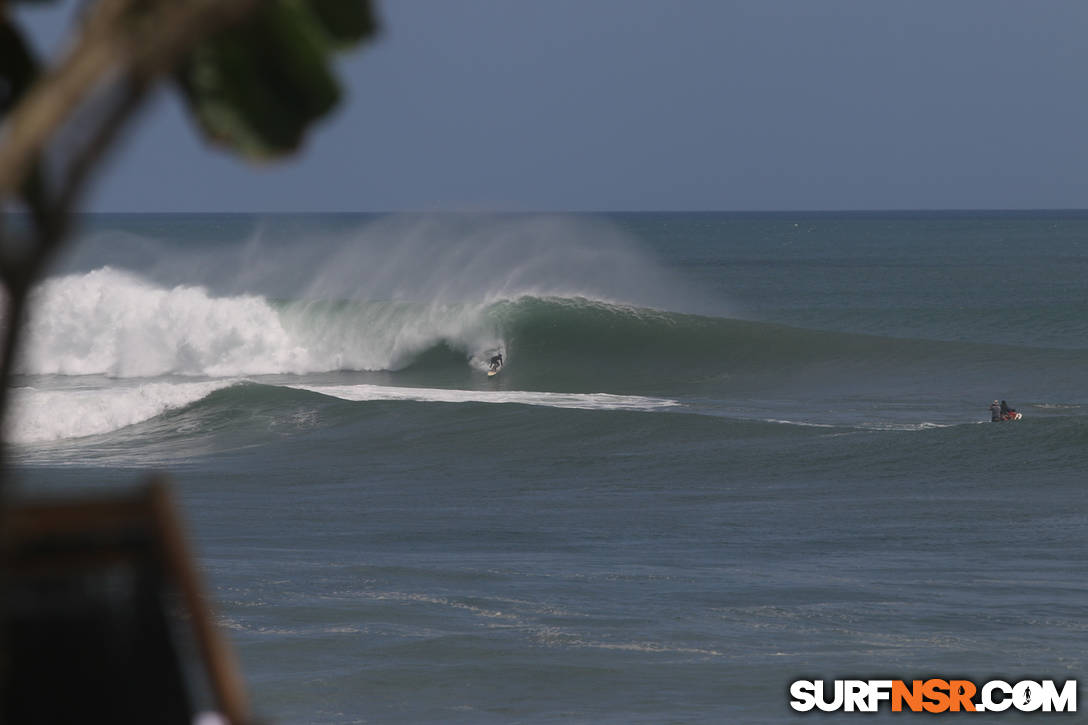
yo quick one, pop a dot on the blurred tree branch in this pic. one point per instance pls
(255, 74)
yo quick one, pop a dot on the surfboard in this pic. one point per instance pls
(493, 373)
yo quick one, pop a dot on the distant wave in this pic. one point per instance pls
(163, 411)
(42, 416)
(584, 401)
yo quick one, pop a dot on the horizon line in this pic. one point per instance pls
(496, 212)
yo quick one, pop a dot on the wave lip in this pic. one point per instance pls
(584, 401)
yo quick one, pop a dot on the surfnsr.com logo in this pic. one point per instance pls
(933, 695)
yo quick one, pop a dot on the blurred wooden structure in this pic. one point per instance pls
(105, 619)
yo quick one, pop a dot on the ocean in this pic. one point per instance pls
(725, 452)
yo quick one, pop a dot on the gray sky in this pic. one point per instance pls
(654, 105)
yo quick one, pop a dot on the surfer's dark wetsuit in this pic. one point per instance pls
(495, 362)
(1005, 409)
(995, 413)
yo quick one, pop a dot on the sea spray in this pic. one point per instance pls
(424, 259)
(452, 258)
(387, 335)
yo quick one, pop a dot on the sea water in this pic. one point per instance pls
(726, 451)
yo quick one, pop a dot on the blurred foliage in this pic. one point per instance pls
(254, 87)
(18, 69)
(17, 65)
(257, 86)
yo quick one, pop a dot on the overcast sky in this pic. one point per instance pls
(574, 105)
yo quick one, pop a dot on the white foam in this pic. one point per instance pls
(110, 322)
(42, 416)
(587, 401)
(803, 424)
(877, 426)
(924, 425)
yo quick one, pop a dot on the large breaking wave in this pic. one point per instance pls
(412, 311)
(373, 297)
(113, 323)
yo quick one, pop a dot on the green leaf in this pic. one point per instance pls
(258, 86)
(345, 22)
